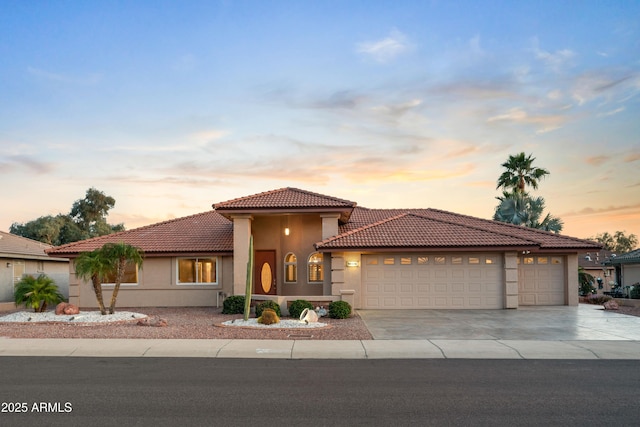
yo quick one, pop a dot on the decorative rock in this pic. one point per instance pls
(611, 305)
(66, 308)
(308, 316)
(152, 321)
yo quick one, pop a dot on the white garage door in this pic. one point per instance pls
(541, 280)
(396, 281)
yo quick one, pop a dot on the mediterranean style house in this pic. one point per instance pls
(322, 248)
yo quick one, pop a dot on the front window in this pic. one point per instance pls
(291, 268)
(316, 273)
(130, 276)
(197, 271)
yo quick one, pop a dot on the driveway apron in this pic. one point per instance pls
(562, 323)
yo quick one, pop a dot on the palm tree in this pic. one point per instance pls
(37, 292)
(95, 267)
(520, 172)
(521, 209)
(119, 255)
(586, 281)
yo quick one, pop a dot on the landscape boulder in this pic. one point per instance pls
(66, 308)
(611, 305)
(152, 321)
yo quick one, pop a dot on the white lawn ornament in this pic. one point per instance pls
(308, 316)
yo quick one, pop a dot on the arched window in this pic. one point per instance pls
(291, 268)
(316, 273)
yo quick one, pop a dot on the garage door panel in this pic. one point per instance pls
(541, 282)
(418, 282)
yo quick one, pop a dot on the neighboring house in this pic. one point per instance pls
(20, 256)
(322, 248)
(596, 263)
(627, 268)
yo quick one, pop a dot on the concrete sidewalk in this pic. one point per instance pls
(320, 349)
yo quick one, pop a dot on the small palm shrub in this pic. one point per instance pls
(269, 317)
(233, 305)
(339, 309)
(267, 304)
(297, 307)
(37, 292)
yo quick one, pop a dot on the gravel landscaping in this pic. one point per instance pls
(182, 323)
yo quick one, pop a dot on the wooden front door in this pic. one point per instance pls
(264, 275)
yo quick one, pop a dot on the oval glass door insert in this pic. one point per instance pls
(265, 277)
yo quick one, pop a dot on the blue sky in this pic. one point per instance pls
(170, 106)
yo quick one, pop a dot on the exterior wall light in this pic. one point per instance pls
(353, 264)
(286, 231)
(8, 265)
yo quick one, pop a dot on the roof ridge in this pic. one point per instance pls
(361, 228)
(513, 226)
(280, 190)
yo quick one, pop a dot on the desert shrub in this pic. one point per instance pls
(339, 309)
(267, 304)
(37, 292)
(597, 299)
(297, 307)
(269, 317)
(233, 305)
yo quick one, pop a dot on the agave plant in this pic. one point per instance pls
(37, 292)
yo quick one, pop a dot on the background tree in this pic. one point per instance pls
(94, 266)
(618, 243)
(118, 256)
(516, 205)
(37, 292)
(87, 219)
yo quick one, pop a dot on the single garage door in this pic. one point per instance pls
(541, 280)
(397, 281)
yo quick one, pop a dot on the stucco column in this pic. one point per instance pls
(329, 225)
(511, 280)
(241, 235)
(572, 280)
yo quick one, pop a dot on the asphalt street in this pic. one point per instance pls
(63, 391)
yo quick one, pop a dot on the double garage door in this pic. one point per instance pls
(406, 281)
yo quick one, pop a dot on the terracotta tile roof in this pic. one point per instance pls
(287, 200)
(13, 246)
(411, 230)
(542, 239)
(632, 257)
(207, 232)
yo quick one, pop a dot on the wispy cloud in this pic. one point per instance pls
(386, 49)
(554, 60)
(544, 123)
(28, 163)
(90, 79)
(596, 160)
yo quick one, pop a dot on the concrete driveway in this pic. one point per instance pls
(585, 322)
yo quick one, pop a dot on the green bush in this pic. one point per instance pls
(267, 304)
(339, 309)
(297, 307)
(37, 292)
(635, 291)
(233, 305)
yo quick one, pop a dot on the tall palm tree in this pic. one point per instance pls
(95, 267)
(119, 255)
(37, 292)
(520, 172)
